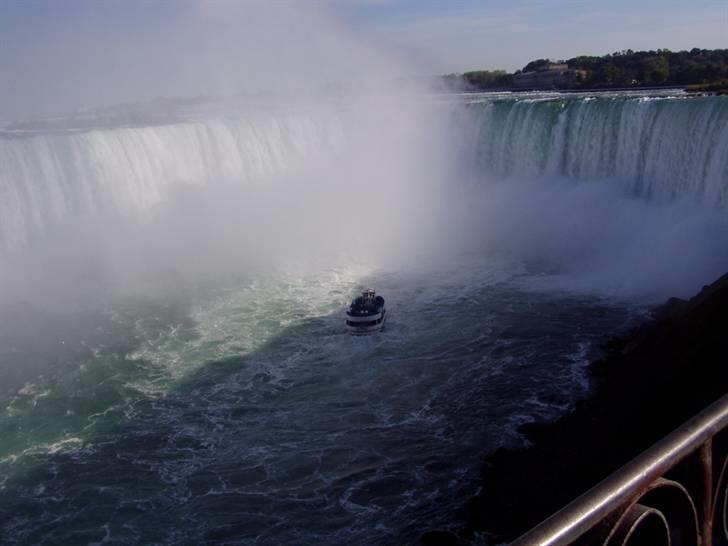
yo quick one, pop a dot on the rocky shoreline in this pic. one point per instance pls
(649, 382)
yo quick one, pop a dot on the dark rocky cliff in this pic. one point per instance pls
(650, 382)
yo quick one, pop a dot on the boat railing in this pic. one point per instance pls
(675, 493)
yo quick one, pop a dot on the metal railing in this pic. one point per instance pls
(675, 493)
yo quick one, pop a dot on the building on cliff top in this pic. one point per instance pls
(551, 76)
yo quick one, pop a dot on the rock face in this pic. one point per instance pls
(650, 382)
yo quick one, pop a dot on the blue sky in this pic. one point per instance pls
(459, 35)
(61, 55)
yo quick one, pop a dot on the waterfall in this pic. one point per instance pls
(657, 147)
(48, 178)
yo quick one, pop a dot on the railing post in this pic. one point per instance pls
(706, 462)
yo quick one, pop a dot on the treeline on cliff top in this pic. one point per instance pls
(620, 69)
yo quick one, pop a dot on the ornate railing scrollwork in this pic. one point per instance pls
(640, 524)
(719, 513)
(675, 493)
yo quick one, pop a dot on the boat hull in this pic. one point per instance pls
(365, 325)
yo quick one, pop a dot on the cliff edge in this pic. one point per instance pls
(649, 382)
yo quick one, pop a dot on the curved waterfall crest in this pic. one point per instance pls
(659, 147)
(49, 178)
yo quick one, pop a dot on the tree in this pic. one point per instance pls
(656, 70)
(535, 65)
(621, 69)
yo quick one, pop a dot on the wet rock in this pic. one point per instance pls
(649, 383)
(439, 538)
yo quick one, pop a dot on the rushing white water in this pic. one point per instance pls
(656, 147)
(50, 178)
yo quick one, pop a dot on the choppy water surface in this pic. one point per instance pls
(252, 417)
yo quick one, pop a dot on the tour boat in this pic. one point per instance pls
(366, 314)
